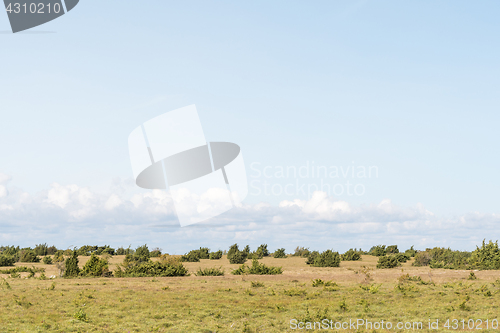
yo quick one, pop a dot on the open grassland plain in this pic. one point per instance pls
(253, 303)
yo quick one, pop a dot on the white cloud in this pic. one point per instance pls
(4, 179)
(3, 191)
(113, 202)
(71, 215)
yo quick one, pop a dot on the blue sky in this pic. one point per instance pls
(408, 87)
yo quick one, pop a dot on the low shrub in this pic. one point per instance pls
(215, 255)
(204, 252)
(121, 251)
(246, 251)
(279, 253)
(71, 266)
(301, 252)
(317, 283)
(95, 266)
(59, 256)
(151, 269)
(6, 260)
(262, 250)
(351, 255)
(191, 256)
(81, 315)
(22, 269)
(215, 271)
(155, 253)
(311, 257)
(422, 259)
(257, 269)
(327, 258)
(439, 257)
(392, 249)
(388, 262)
(106, 249)
(47, 260)
(378, 251)
(486, 257)
(402, 257)
(142, 253)
(255, 255)
(240, 270)
(86, 250)
(41, 249)
(236, 256)
(28, 255)
(411, 252)
(196, 255)
(261, 269)
(170, 259)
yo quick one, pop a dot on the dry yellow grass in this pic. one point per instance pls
(231, 304)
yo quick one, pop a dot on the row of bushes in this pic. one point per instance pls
(139, 264)
(485, 257)
(9, 253)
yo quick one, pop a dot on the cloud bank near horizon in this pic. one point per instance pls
(70, 215)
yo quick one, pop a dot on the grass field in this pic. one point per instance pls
(250, 303)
